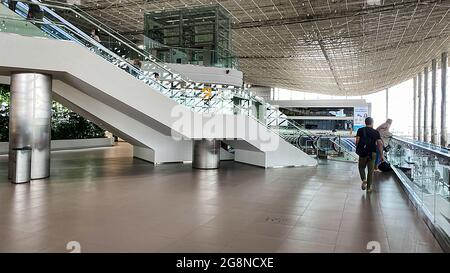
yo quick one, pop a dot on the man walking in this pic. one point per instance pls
(368, 140)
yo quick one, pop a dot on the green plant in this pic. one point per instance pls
(66, 124)
(69, 125)
(4, 113)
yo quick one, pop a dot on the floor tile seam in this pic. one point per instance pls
(303, 213)
(340, 223)
(384, 225)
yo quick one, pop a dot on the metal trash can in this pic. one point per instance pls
(21, 165)
(322, 154)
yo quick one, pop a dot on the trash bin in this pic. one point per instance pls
(21, 165)
(322, 154)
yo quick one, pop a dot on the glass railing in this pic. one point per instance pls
(163, 54)
(52, 25)
(424, 171)
(158, 76)
(325, 146)
(195, 56)
(116, 50)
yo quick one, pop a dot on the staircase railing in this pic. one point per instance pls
(148, 69)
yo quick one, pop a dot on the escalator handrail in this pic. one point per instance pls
(90, 40)
(47, 8)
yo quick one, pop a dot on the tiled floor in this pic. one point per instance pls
(110, 202)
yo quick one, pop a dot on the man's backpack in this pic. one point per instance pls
(363, 145)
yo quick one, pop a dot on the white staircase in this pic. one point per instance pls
(130, 108)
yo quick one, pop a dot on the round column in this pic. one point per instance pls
(206, 154)
(29, 120)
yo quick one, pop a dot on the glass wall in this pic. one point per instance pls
(424, 171)
(191, 35)
(400, 104)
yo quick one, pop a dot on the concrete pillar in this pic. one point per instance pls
(206, 154)
(426, 134)
(415, 108)
(29, 121)
(444, 64)
(419, 112)
(433, 101)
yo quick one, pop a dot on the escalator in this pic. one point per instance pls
(159, 116)
(319, 145)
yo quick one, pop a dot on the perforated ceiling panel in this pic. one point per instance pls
(343, 47)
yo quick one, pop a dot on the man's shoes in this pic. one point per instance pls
(370, 189)
(364, 185)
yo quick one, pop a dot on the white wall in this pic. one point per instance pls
(149, 154)
(4, 148)
(164, 148)
(204, 74)
(69, 144)
(319, 103)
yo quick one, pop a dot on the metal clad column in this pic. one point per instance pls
(29, 120)
(444, 64)
(206, 154)
(415, 108)
(419, 112)
(425, 106)
(433, 101)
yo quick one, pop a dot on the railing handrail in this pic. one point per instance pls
(432, 148)
(310, 134)
(345, 149)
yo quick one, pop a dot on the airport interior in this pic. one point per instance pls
(224, 126)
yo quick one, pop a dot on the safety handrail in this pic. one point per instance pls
(429, 147)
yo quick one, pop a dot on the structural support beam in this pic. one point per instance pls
(419, 112)
(330, 64)
(387, 103)
(426, 134)
(444, 64)
(326, 16)
(433, 101)
(415, 109)
(29, 123)
(206, 154)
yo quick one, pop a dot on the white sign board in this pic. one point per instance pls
(359, 116)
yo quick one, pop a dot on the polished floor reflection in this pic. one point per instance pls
(109, 202)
